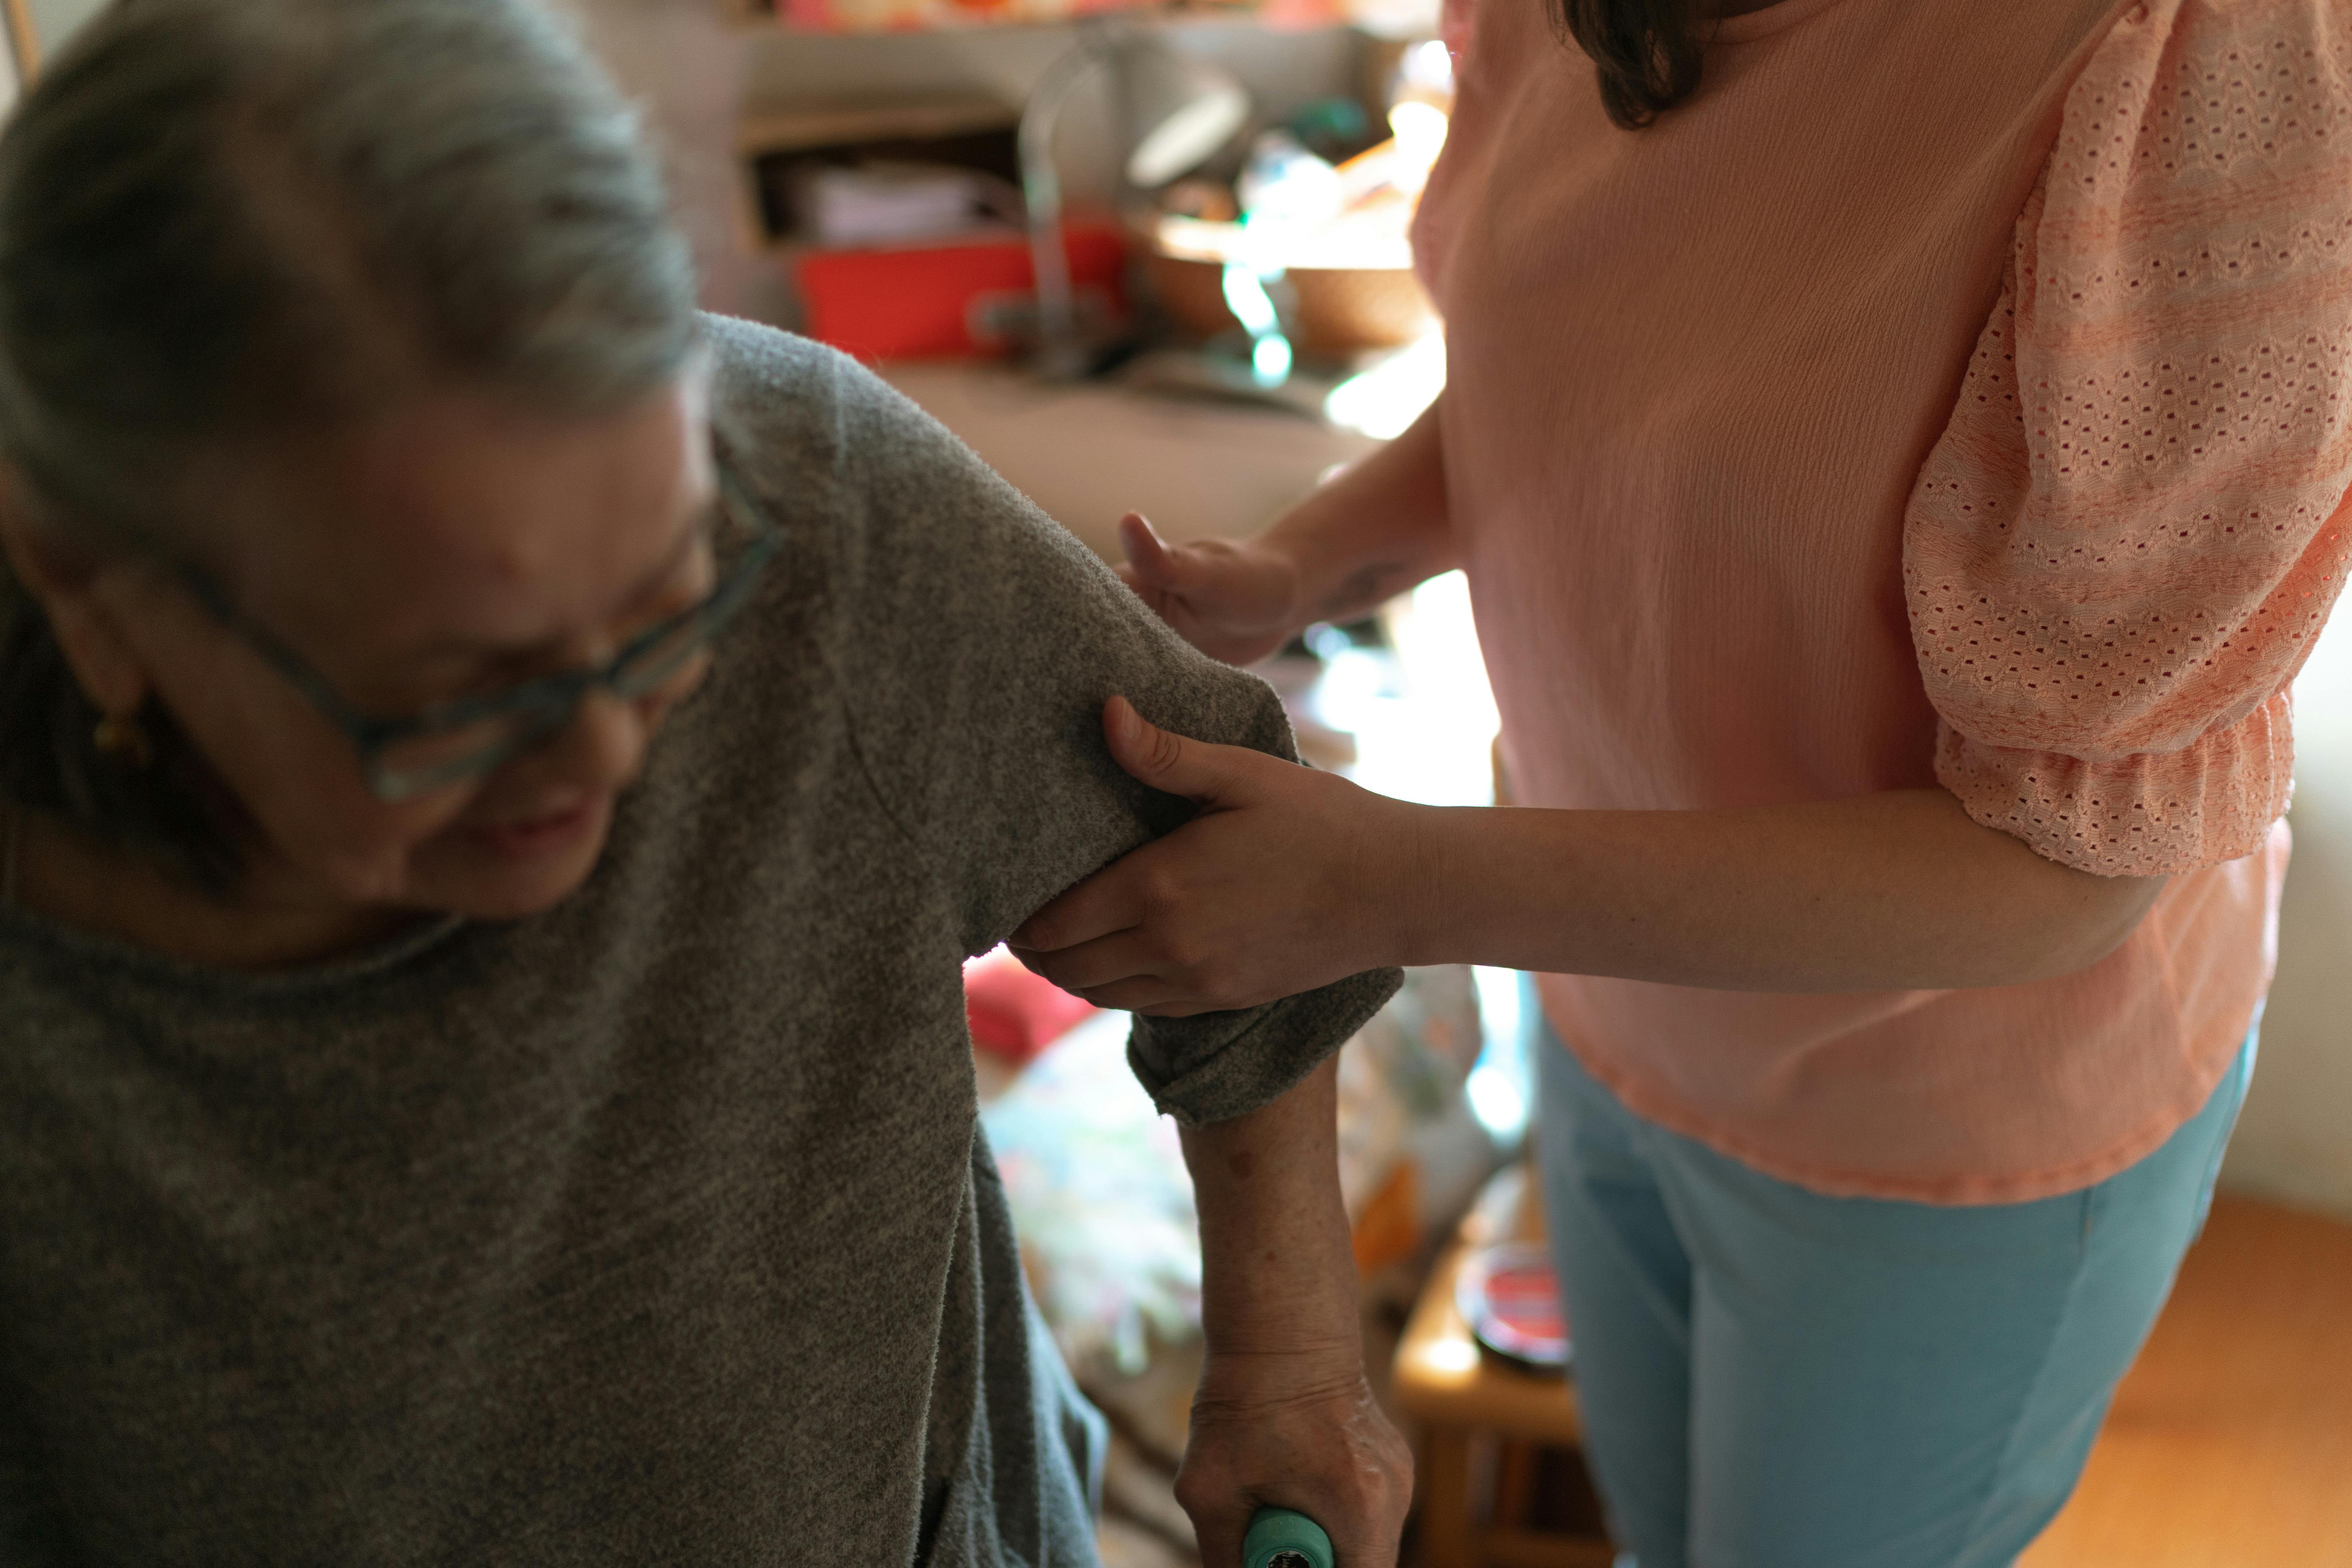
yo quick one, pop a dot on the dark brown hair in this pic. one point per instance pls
(1648, 52)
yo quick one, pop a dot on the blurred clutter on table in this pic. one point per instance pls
(1237, 254)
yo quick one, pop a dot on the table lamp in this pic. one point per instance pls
(1180, 112)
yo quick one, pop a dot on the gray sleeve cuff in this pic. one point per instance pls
(1214, 1066)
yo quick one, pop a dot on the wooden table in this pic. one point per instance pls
(1463, 1396)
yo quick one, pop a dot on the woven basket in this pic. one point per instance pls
(1341, 310)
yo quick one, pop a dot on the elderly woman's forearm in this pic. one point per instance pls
(1278, 1273)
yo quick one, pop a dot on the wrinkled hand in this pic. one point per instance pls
(1236, 600)
(1297, 1431)
(1287, 879)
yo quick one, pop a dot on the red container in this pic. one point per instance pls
(1012, 1013)
(945, 300)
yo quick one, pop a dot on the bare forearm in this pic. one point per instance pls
(1372, 532)
(1894, 891)
(1282, 1416)
(1277, 1272)
(1288, 878)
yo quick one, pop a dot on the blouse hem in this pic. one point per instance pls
(1943, 1192)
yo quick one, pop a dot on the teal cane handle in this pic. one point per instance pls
(1278, 1538)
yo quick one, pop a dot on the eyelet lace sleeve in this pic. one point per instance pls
(2126, 542)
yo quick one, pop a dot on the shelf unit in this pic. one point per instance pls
(969, 132)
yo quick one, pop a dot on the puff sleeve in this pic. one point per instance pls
(2126, 539)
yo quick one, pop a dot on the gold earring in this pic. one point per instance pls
(124, 739)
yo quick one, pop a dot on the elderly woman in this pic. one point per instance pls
(501, 774)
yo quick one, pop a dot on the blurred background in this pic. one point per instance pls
(1157, 257)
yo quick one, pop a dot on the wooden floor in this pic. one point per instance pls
(2231, 1443)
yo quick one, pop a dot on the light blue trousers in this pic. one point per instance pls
(1775, 1379)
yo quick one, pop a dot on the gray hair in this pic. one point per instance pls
(226, 221)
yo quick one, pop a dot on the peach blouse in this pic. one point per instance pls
(1952, 392)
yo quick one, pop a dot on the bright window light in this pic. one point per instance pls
(1498, 1103)
(1383, 401)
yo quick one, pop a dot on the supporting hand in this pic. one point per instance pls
(1233, 600)
(1287, 879)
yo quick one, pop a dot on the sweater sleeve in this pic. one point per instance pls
(978, 641)
(2129, 535)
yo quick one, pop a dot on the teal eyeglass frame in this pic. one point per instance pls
(536, 707)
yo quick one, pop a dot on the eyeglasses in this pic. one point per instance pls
(469, 736)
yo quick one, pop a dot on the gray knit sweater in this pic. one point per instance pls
(656, 1228)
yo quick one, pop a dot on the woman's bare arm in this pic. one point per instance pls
(1289, 877)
